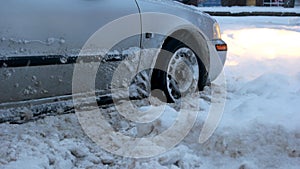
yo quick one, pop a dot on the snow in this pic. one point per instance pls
(259, 128)
(238, 9)
(264, 62)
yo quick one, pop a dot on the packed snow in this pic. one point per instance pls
(259, 128)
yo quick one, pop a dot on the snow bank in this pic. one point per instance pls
(237, 9)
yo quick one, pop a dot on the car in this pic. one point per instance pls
(42, 41)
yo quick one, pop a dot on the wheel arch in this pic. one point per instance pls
(193, 39)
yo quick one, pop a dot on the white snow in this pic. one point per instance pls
(237, 9)
(259, 128)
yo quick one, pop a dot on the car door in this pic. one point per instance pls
(40, 40)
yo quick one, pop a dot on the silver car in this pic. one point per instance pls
(42, 41)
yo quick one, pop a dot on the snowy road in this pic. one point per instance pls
(259, 128)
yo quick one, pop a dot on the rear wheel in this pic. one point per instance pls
(179, 71)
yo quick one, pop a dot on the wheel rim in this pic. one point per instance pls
(182, 73)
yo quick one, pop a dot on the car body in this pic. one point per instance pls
(41, 40)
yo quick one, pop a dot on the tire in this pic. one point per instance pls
(178, 72)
